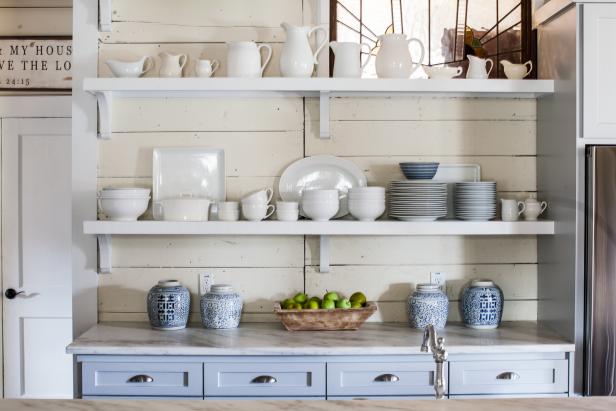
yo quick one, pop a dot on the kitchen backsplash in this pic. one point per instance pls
(263, 136)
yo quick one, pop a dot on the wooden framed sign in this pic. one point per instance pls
(35, 63)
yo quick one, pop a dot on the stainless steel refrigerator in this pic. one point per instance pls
(600, 327)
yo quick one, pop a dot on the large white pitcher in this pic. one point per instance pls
(244, 59)
(394, 57)
(348, 58)
(297, 58)
(477, 67)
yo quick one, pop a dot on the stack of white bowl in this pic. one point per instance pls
(367, 203)
(320, 205)
(476, 201)
(124, 204)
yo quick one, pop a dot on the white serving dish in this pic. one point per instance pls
(123, 209)
(321, 172)
(131, 69)
(182, 209)
(198, 172)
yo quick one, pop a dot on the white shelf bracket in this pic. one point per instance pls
(324, 114)
(104, 253)
(104, 12)
(324, 253)
(104, 99)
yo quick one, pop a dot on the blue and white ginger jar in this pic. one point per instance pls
(168, 305)
(221, 307)
(482, 305)
(428, 305)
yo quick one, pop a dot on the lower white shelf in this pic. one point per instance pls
(104, 230)
(326, 228)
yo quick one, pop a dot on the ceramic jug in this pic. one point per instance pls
(131, 69)
(477, 67)
(244, 59)
(172, 64)
(347, 61)
(394, 57)
(511, 209)
(516, 71)
(206, 68)
(534, 208)
(297, 58)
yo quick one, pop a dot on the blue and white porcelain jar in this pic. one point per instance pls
(428, 305)
(221, 307)
(482, 305)
(168, 305)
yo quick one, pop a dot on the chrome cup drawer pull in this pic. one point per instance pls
(510, 376)
(387, 378)
(264, 379)
(140, 379)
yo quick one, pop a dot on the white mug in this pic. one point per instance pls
(244, 59)
(287, 210)
(206, 68)
(511, 209)
(534, 209)
(228, 211)
(257, 212)
(263, 196)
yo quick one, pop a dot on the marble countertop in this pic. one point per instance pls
(535, 404)
(273, 339)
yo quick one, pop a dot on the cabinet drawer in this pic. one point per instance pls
(264, 379)
(374, 379)
(142, 379)
(509, 377)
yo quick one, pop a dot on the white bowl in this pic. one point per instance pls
(183, 209)
(366, 210)
(321, 195)
(320, 210)
(124, 192)
(124, 209)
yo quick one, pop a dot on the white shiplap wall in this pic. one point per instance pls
(263, 136)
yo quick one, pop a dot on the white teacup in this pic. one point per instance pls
(206, 68)
(257, 212)
(534, 209)
(511, 209)
(263, 197)
(287, 210)
(228, 211)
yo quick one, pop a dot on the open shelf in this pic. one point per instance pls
(105, 229)
(106, 89)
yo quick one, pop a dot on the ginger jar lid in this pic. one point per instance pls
(221, 289)
(428, 288)
(169, 283)
(482, 283)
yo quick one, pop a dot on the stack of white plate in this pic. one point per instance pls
(475, 201)
(417, 200)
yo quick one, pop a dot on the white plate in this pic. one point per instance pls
(321, 172)
(199, 172)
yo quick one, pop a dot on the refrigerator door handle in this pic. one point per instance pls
(590, 269)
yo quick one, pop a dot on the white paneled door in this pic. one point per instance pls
(36, 257)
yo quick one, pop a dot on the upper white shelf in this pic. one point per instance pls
(105, 89)
(327, 228)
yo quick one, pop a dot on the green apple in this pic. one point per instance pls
(356, 305)
(317, 299)
(358, 297)
(328, 304)
(300, 298)
(313, 305)
(344, 303)
(297, 306)
(331, 295)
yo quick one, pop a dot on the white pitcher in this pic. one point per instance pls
(348, 58)
(297, 58)
(172, 64)
(477, 67)
(244, 59)
(394, 58)
(517, 71)
(206, 68)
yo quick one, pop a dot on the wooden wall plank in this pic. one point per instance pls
(213, 114)
(230, 13)
(48, 21)
(428, 250)
(246, 154)
(36, 3)
(198, 251)
(126, 289)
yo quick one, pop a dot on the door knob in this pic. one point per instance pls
(10, 293)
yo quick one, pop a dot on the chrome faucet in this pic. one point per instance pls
(439, 353)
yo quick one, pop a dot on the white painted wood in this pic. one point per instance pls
(324, 252)
(324, 115)
(104, 101)
(36, 245)
(598, 81)
(19, 21)
(339, 227)
(104, 15)
(105, 255)
(35, 106)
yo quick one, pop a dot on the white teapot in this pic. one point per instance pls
(297, 58)
(517, 71)
(477, 67)
(347, 61)
(172, 65)
(394, 57)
